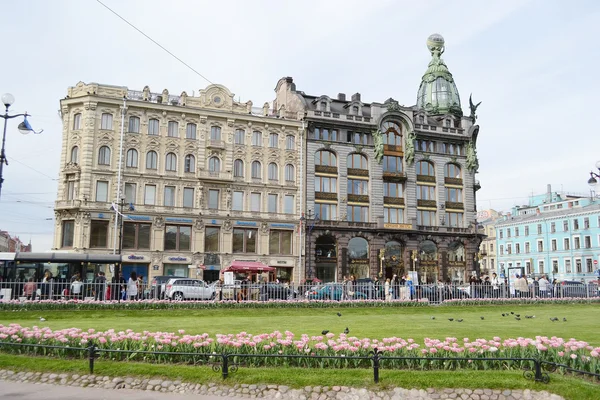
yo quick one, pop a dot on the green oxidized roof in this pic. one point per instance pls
(438, 94)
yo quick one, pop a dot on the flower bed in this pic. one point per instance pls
(162, 347)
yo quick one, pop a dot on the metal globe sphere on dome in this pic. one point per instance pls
(435, 42)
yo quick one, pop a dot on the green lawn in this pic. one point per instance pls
(582, 321)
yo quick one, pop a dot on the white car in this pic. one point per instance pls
(186, 288)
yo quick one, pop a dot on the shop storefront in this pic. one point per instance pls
(212, 267)
(135, 263)
(178, 266)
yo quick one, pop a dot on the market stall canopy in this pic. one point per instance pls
(249, 266)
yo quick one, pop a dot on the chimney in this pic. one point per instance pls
(356, 97)
(342, 96)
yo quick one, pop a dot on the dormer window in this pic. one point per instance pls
(421, 119)
(447, 123)
(355, 110)
(323, 106)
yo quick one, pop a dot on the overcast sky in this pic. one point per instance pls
(532, 64)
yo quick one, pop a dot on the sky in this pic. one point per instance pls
(530, 62)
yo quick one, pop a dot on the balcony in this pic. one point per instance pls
(428, 228)
(393, 148)
(326, 196)
(344, 224)
(426, 203)
(453, 181)
(358, 198)
(394, 176)
(394, 200)
(326, 169)
(216, 175)
(215, 144)
(456, 229)
(453, 205)
(426, 178)
(63, 204)
(358, 172)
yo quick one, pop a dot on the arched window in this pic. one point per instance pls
(190, 131)
(425, 168)
(274, 140)
(214, 164)
(327, 158)
(358, 249)
(273, 172)
(151, 160)
(452, 171)
(256, 170)
(132, 158)
(357, 161)
(290, 173)
(238, 168)
(290, 142)
(153, 127)
(392, 133)
(215, 133)
(190, 163)
(239, 137)
(106, 121)
(75, 155)
(134, 125)
(171, 162)
(104, 156)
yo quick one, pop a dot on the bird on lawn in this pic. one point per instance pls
(529, 316)
(460, 320)
(450, 319)
(512, 312)
(564, 320)
(517, 318)
(553, 319)
(482, 317)
(325, 332)
(42, 319)
(346, 331)
(504, 315)
(518, 315)
(339, 314)
(432, 317)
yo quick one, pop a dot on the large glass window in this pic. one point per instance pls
(213, 199)
(452, 171)
(280, 242)
(326, 158)
(256, 138)
(290, 142)
(392, 164)
(215, 133)
(358, 213)
(325, 184)
(151, 160)
(171, 162)
(75, 155)
(393, 189)
(153, 127)
(326, 134)
(239, 137)
(102, 191)
(273, 200)
(68, 231)
(136, 236)
(255, 200)
(188, 197)
(134, 125)
(256, 170)
(173, 129)
(190, 131)
(238, 168)
(290, 173)
(357, 138)
(130, 193)
(190, 163)
(104, 155)
(426, 218)
(238, 201)
(273, 172)
(211, 239)
(178, 237)
(150, 195)
(357, 161)
(455, 219)
(425, 192)
(392, 133)
(455, 195)
(289, 205)
(214, 164)
(132, 158)
(169, 196)
(425, 168)
(327, 212)
(106, 122)
(70, 190)
(356, 186)
(76, 121)
(273, 140)
(440, 93)
(98, 234)
(393, 215)
(244, 240)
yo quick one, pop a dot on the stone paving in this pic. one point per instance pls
(272, 391)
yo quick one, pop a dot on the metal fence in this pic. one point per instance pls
(194, 289)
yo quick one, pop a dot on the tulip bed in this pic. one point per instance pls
(161, 347)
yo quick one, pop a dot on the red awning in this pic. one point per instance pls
(249, 266)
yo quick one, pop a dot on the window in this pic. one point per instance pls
(238, 201)
(357, 161)
(134, 125)
(255, 200)
(153, 127)
(358, 213)
(452, 171)
(507, 232)
(150, 194)
(576, 243)
(326, 134)
(455, 220)
(392, 133)
(190, 131)
(169, 200)
(456, 195)
(566, 244)
(290, 173)
(509, 248)
(256, 170)
(189, 163)
(553, 227)
(540, 267)
(565, 226)
(289, 205)
(589, 266)
(326, 158)
(106, 121)
(553, 245)
(326, 212)
(527, 247)
(358, 187)
(575, 224)
(425, 168)
(130, 192)
(290, 142)
(568, 269)
(238, 168)
(526, 231)
(491, 247)
(280, 242)
(173, 129)
(323, 106)
(325, 184)
(586, 223)
(178, 237)
(98, 234)
(426, 145)
(501, 249)
(540, 246)
(171, 162)
(211, 239)
(104, 155)
(392, 189)
(70, 190)
(517, 248)
(215, 133)
(244, 240)
(587, 242)
(426, 218)
(555, 266)
(272, 203)
(273, 172)
(357, 138)
(516, 231)
(273, 140)
(425, 192)
(75, 155)
(68, 231)
(213, 199)
(151, 160)
(392, 164)
(76, 121)
(539, 229)
(132, 158)
(214, 164)
(136, 236)
(501, 233)
(102, 191)
(188, 197)
(256, 138)
(393, 215)
(578, 266)
(239, 137)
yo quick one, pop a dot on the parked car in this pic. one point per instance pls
(276, 291)
(186, 288)
(157, 286)
(333, 291)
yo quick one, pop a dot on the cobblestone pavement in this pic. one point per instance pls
(159, 389)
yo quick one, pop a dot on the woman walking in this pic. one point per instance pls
(132, 289)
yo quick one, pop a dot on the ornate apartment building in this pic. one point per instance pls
(389, 189)
(205, 180)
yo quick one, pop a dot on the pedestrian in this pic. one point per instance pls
(388, 290)
(140, 287)
(132, 289)
(543, 285)
(76, 287)
(99, 286)
(29, 290)
(46, 286)
(521, 286)
(495, 286)
(117, 289)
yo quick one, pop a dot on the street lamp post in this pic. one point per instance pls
(593, 175)
(119, 216)
(381, 261)
(24, 127)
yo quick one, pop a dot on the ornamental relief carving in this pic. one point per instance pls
(199, 225)
(227, 226)
(159, 223)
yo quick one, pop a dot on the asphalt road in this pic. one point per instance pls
(31, 391)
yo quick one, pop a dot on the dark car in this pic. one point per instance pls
(573, 289)
(275, 291)
(332, 291)
(157, 286)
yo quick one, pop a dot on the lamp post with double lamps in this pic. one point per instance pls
(120, 216)
(24, 127)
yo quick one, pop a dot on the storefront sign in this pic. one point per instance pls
(213, 267)
(177, 259)
(281, 262)
(245, 223)
(428, 263)
(101, 215)
(397, 226)
(139, 217)
(179, 220)
(284, 226)
(457, 263)
(214, 222)
(134, 257)
(360, 261)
